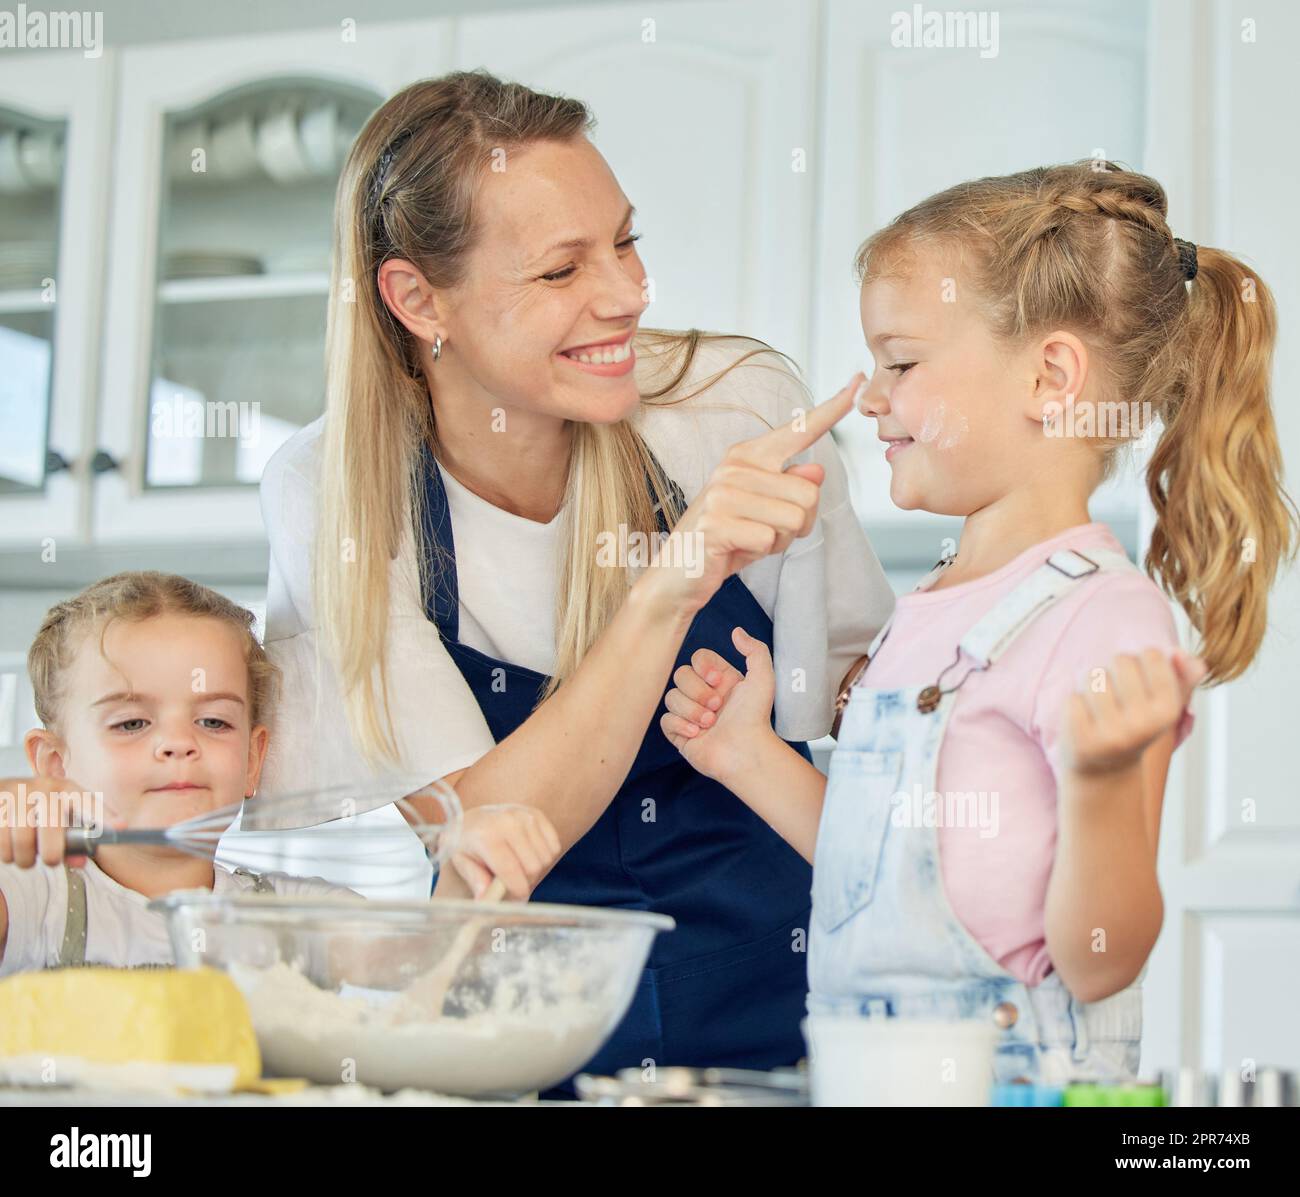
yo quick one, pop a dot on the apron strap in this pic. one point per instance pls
(72, 954)
(995, 633)
(666, 483)
(438, 544)
(438, 548)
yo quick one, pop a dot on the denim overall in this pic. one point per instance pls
(884, 939)
(727, 987)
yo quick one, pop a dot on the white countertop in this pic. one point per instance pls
(313, 1095)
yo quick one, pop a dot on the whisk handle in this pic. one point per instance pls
(83, 841)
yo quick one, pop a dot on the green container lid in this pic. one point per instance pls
(1114, 1095)
(1142, 1095)
(1084, 1095)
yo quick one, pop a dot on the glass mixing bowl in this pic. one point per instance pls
(342, 989)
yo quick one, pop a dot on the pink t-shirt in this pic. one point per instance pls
(1002, 734)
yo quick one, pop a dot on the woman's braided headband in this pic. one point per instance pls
(380, 174)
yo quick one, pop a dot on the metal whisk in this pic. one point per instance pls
(396, 848)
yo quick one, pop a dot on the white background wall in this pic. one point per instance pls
(1224, 982)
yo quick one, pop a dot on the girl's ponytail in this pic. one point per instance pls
(1224, 524)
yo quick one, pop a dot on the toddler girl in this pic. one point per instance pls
(154, 694)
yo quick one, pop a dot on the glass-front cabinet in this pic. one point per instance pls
(248, 181)
(165, 228)
(31, 172)
(229, 158)
(228, 154)
(53, 139)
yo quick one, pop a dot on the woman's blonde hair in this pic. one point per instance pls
(138, 595)
(1086, 247)
(407, 191)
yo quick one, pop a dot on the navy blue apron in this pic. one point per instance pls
(727, 987)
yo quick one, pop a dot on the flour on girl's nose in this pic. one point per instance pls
(942, 427)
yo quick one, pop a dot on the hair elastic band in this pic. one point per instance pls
(1186, 257)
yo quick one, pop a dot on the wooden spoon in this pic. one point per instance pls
(428, 992)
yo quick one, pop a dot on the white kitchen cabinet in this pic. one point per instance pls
(1223, 985)
(899, 123)
(242, 347)
(53, 242)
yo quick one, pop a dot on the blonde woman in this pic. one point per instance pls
(449, 591)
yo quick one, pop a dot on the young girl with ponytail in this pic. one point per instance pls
(985, 845)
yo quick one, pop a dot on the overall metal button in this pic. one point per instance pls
(1005, 1014)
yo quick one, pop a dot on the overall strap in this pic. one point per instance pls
(994, 634)
(261, 883)
(72, 954)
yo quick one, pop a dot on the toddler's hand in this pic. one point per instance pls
(1143, 697)
(519, 844)
(714, 714)
(35, 813)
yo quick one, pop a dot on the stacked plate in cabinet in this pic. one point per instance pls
(25, 264)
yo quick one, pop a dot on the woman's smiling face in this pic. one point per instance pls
(943, 390)
(553, 269)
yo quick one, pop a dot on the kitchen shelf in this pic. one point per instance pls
(214, 562)
(28, 299)
(243, 286)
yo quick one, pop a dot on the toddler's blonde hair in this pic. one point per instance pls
(139, 595)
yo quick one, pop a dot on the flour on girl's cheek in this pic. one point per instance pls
(942, 428)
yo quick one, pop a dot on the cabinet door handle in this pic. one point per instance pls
(55, 462)
(103, 461)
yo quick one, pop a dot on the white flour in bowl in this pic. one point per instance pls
(306, 1031)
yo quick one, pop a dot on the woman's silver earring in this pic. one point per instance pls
(437, 348)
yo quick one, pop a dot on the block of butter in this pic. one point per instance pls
(176, 1028)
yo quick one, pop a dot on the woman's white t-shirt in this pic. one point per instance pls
(499, 610)
(826, 595)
